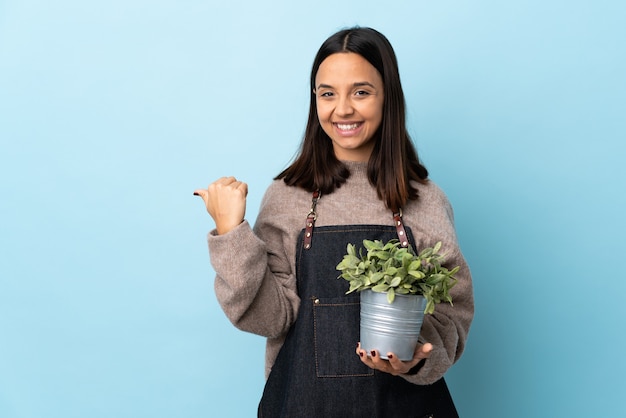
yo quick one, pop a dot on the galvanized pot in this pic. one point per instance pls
(391, 327)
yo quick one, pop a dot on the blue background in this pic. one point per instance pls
(111, 113)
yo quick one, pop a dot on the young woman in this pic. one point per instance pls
(357, 177)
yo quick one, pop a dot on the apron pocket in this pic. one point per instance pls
(336, 334)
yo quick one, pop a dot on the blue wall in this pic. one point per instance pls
(111, 113)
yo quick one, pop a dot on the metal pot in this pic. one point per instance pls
(391, 327)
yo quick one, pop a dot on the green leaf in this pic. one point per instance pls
(396, 281)
(372, 245)
(381, 255)
(391, 295)
(430, 307)
(354, 285)
(425, 253)
(415, 265)
(382, 287)
(391, 271)
(417, 274)
(391, 245)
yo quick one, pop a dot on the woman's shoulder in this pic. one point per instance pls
(432, 199)
(281, 199)
(431, 191)
(279, 193)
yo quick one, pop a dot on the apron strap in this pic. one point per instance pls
(397, 219)
(312, 216)
(310, 220)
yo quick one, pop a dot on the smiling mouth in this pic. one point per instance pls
(347, 126)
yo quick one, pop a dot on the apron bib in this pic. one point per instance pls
(317, 372)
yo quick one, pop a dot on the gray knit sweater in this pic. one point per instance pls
(256, 284)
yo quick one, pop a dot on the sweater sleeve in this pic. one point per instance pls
(254, 282)
(448, 327)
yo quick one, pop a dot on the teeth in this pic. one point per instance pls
(345, 127)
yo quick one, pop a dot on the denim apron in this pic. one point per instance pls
(317, 372)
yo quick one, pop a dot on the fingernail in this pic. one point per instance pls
(373, 353)
(196, 194)
(361, 353)
(390, 356)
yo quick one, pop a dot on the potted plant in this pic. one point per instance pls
(397, 288)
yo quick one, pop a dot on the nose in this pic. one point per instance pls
(344, 107)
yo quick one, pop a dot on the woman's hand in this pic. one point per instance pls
(394, 365)
(225, 200)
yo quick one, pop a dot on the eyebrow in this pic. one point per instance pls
(357, 84)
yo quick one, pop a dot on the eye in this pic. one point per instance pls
(326, 94)
(362, 93)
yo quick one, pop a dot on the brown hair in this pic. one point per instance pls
(394, 161)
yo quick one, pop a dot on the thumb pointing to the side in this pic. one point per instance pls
(225, 200)
(204, 194)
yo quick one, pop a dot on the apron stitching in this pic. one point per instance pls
(316, 302)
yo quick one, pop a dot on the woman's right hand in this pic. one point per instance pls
(225, 200)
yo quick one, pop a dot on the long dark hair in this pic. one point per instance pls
(394, 161)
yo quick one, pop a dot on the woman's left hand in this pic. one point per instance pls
(394, 366)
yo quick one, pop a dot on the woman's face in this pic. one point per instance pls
(349, 95)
